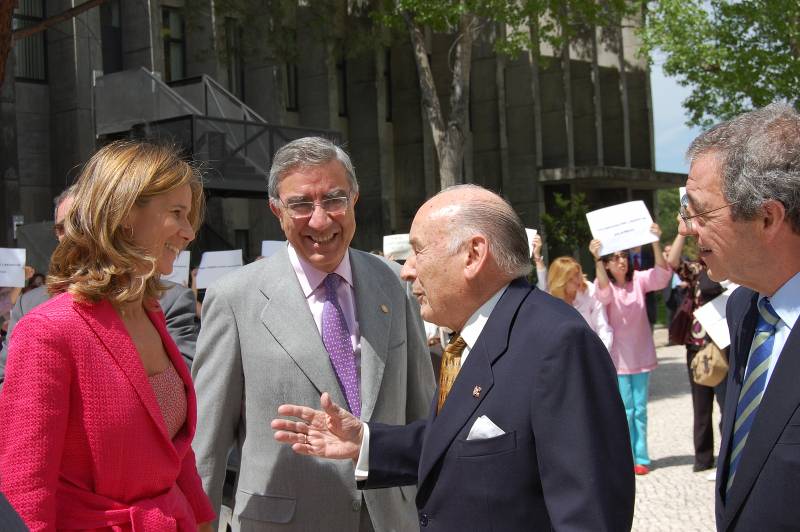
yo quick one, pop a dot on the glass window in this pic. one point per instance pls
(174, 44)
(30, 53)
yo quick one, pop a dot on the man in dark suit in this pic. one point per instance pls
(527, 430)
(743, 206)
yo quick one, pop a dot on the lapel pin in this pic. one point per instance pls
(384, 309)
(476, 392)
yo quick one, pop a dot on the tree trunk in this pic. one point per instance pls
(448, 138)
(6, 14)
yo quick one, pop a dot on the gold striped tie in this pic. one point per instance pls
(451, 363)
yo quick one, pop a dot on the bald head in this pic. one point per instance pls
(467, 243)
(469, 210)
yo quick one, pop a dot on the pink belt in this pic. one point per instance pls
(81, 509)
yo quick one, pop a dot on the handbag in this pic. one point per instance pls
(680, 328)
(710, 365)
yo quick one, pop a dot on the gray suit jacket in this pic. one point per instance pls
(9, 519)
(177, 303)
(259, 347)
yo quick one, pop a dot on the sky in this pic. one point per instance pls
(672, 135)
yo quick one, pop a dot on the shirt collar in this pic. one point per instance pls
(786, 301)
(310, 277)
(474, 326)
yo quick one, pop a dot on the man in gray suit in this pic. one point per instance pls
(177, 302)
(314, 316)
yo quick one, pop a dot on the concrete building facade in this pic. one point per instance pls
(537, 127)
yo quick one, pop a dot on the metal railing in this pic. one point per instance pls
(237, 152)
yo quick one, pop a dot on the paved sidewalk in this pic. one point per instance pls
(672, 497)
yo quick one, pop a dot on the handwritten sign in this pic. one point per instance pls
(621, 226)
(268, 247)
(215, 264)
(180, 269)
(396, 247)
(12, 267)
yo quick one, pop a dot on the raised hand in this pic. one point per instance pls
(332, 432)
(594, 248)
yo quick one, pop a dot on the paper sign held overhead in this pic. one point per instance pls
(180, 269)
(531, 233)
(215, 264)
(268, 247)
(622, 226)
(396, 247)
(12, 267)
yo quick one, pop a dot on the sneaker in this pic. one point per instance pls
(640, 469)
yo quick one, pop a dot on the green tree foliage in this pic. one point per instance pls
(734, 55)
(566, 227)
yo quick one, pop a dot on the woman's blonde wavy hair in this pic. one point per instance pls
(98, 258)
(560, 272)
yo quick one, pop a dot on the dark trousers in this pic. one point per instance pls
(702, 408)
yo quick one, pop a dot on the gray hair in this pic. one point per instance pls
(304, 152)
(68, 192)
(501, 226)
(759, 156)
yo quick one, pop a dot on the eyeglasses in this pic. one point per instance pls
(305, 209)
(687, 218)
(619, 256)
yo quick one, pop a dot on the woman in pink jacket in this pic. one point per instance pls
(97, 413)
(633, 352)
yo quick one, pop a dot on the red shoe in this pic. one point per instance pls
(640, 469)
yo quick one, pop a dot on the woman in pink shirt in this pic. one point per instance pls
(633, 352)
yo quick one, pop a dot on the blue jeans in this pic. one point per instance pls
(633, 389)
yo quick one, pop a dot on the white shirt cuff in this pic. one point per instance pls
(362, 465)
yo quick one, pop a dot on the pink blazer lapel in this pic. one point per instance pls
(106, 324)
(185, 436)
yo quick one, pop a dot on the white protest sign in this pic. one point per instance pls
(12, 267)
(396, 247)
(268, 247)
(531, 233)
(712, 317)
(215, 264)
(622, 226)
(180, 269)
(681, 193)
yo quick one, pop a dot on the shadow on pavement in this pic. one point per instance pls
(672, 461)
(669, 379)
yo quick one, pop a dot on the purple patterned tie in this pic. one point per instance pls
(336, 338)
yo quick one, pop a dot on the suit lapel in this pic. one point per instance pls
(779, 403)
(461, 403)
(373, 312)
(743, 328)
(289, 320)
(106, 324)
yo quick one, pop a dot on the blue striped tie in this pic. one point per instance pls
(755, 381)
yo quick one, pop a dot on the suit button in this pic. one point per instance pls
(423, 520)
(356, 506)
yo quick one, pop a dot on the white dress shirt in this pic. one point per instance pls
(786, 302)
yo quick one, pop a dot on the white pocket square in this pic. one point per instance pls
(484, 428)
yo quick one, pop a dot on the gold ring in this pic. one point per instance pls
(305, 436)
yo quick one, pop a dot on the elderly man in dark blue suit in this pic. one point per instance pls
(527, 431)
(742, 204)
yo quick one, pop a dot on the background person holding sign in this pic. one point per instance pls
(622, 291)
(98, 408)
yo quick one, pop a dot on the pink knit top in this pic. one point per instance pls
(171, 396)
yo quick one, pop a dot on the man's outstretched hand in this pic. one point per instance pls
(332, 432)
